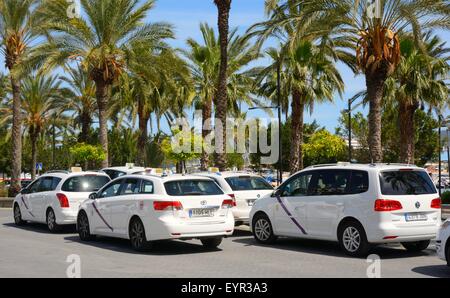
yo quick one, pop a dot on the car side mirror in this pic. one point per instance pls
(93, 196)
(276, 193)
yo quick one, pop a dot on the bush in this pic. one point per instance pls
(3, 190)
(445, 196)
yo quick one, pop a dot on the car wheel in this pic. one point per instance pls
(353, 239)
(211, 243)
(51, 222)
(416, 246)
(18, 216)
(447, 253)
(83, 227)
(262, 229)
(137, 236)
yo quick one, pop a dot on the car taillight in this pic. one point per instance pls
(387, 205)
(228, 204)
(436, 203)
(63, 200)
(233, 198)
(167, 205)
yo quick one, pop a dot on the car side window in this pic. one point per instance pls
(147, 187)
(130, 187)
(46, 184)
(297, 186)
(111, 190)
(55, 182)
(331, 182)
(359, 183)
(34, 187)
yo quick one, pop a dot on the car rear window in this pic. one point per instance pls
(248, 183)
(192, 188)
(406, 183)
(87, 183)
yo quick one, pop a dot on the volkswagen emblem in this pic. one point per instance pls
(417, 205)
(258, 196)
(204, 203)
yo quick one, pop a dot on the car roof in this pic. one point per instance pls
(227, 174)
(367, 167)
(166, 178)
(64, 175)
(125, 169)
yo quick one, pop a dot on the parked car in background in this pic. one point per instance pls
(244, 188)
(54, 198)
(443, 242)
(148, 208)
(115, 172)
(357, 205)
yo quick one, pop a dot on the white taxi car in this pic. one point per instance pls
(244, 188)
(54, 197)
(148, 208)
(443, 242)
(357, 205)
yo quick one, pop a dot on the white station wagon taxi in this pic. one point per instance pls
(357, 205)
(244, 188)
(54, 197)
(148, 208)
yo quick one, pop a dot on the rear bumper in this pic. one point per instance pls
(66, 216)
(186, 230)
(389, 232)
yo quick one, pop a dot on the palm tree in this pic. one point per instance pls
(204, 61)
(307, 60)
(80, 98)
(101, 39)
(418, 80)
(374, 28)
(17, 25)
(221, 97)
(41, 106)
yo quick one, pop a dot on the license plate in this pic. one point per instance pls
(201, 212)
(416, 217)
(251, 202)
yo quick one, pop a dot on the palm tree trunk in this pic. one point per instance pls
(85, 126)
(407, 131)
(206, 114)
(33, 139)
(16, 136)
(102, 103)
(144, 117)
(375, 89)
(296, 155)
(221, 98)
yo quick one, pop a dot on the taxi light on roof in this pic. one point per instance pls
(129, 165)
(214, 170)
(76, 169)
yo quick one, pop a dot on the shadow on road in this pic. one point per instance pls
(42, 228)
(433, 271)
(328, 248)
(160, 248)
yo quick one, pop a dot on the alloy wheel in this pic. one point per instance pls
(137, 234)
(262, 229)
(351, 239)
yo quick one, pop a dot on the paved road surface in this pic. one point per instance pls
(31, 251)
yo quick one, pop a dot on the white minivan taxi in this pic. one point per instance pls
(54, 198)
(144, 209)
(443, 242)
(357, 205)
(244, 188)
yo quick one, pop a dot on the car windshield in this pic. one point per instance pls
(192, 188)
(248, 183)
(406, 183)
(87, 183)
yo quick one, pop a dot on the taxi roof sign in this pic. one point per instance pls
(76, 169)
(129, 165)
(214, 170)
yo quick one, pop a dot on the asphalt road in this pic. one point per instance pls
(31, 251)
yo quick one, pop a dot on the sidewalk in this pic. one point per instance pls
(6, 202)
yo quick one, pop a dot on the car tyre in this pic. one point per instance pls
(83, 227)
(353, 239)
(18, 216)
(416, 246)
(447, 253)
(137, 236)
(262, 229)
(51, 221)
(211, 243)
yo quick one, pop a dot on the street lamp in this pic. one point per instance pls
(349, 112)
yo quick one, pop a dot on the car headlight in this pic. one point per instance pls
(446, 224)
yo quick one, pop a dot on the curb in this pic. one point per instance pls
(6, 202)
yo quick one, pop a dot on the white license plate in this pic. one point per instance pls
(206, 212)
(251, 202)
(416, 217)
